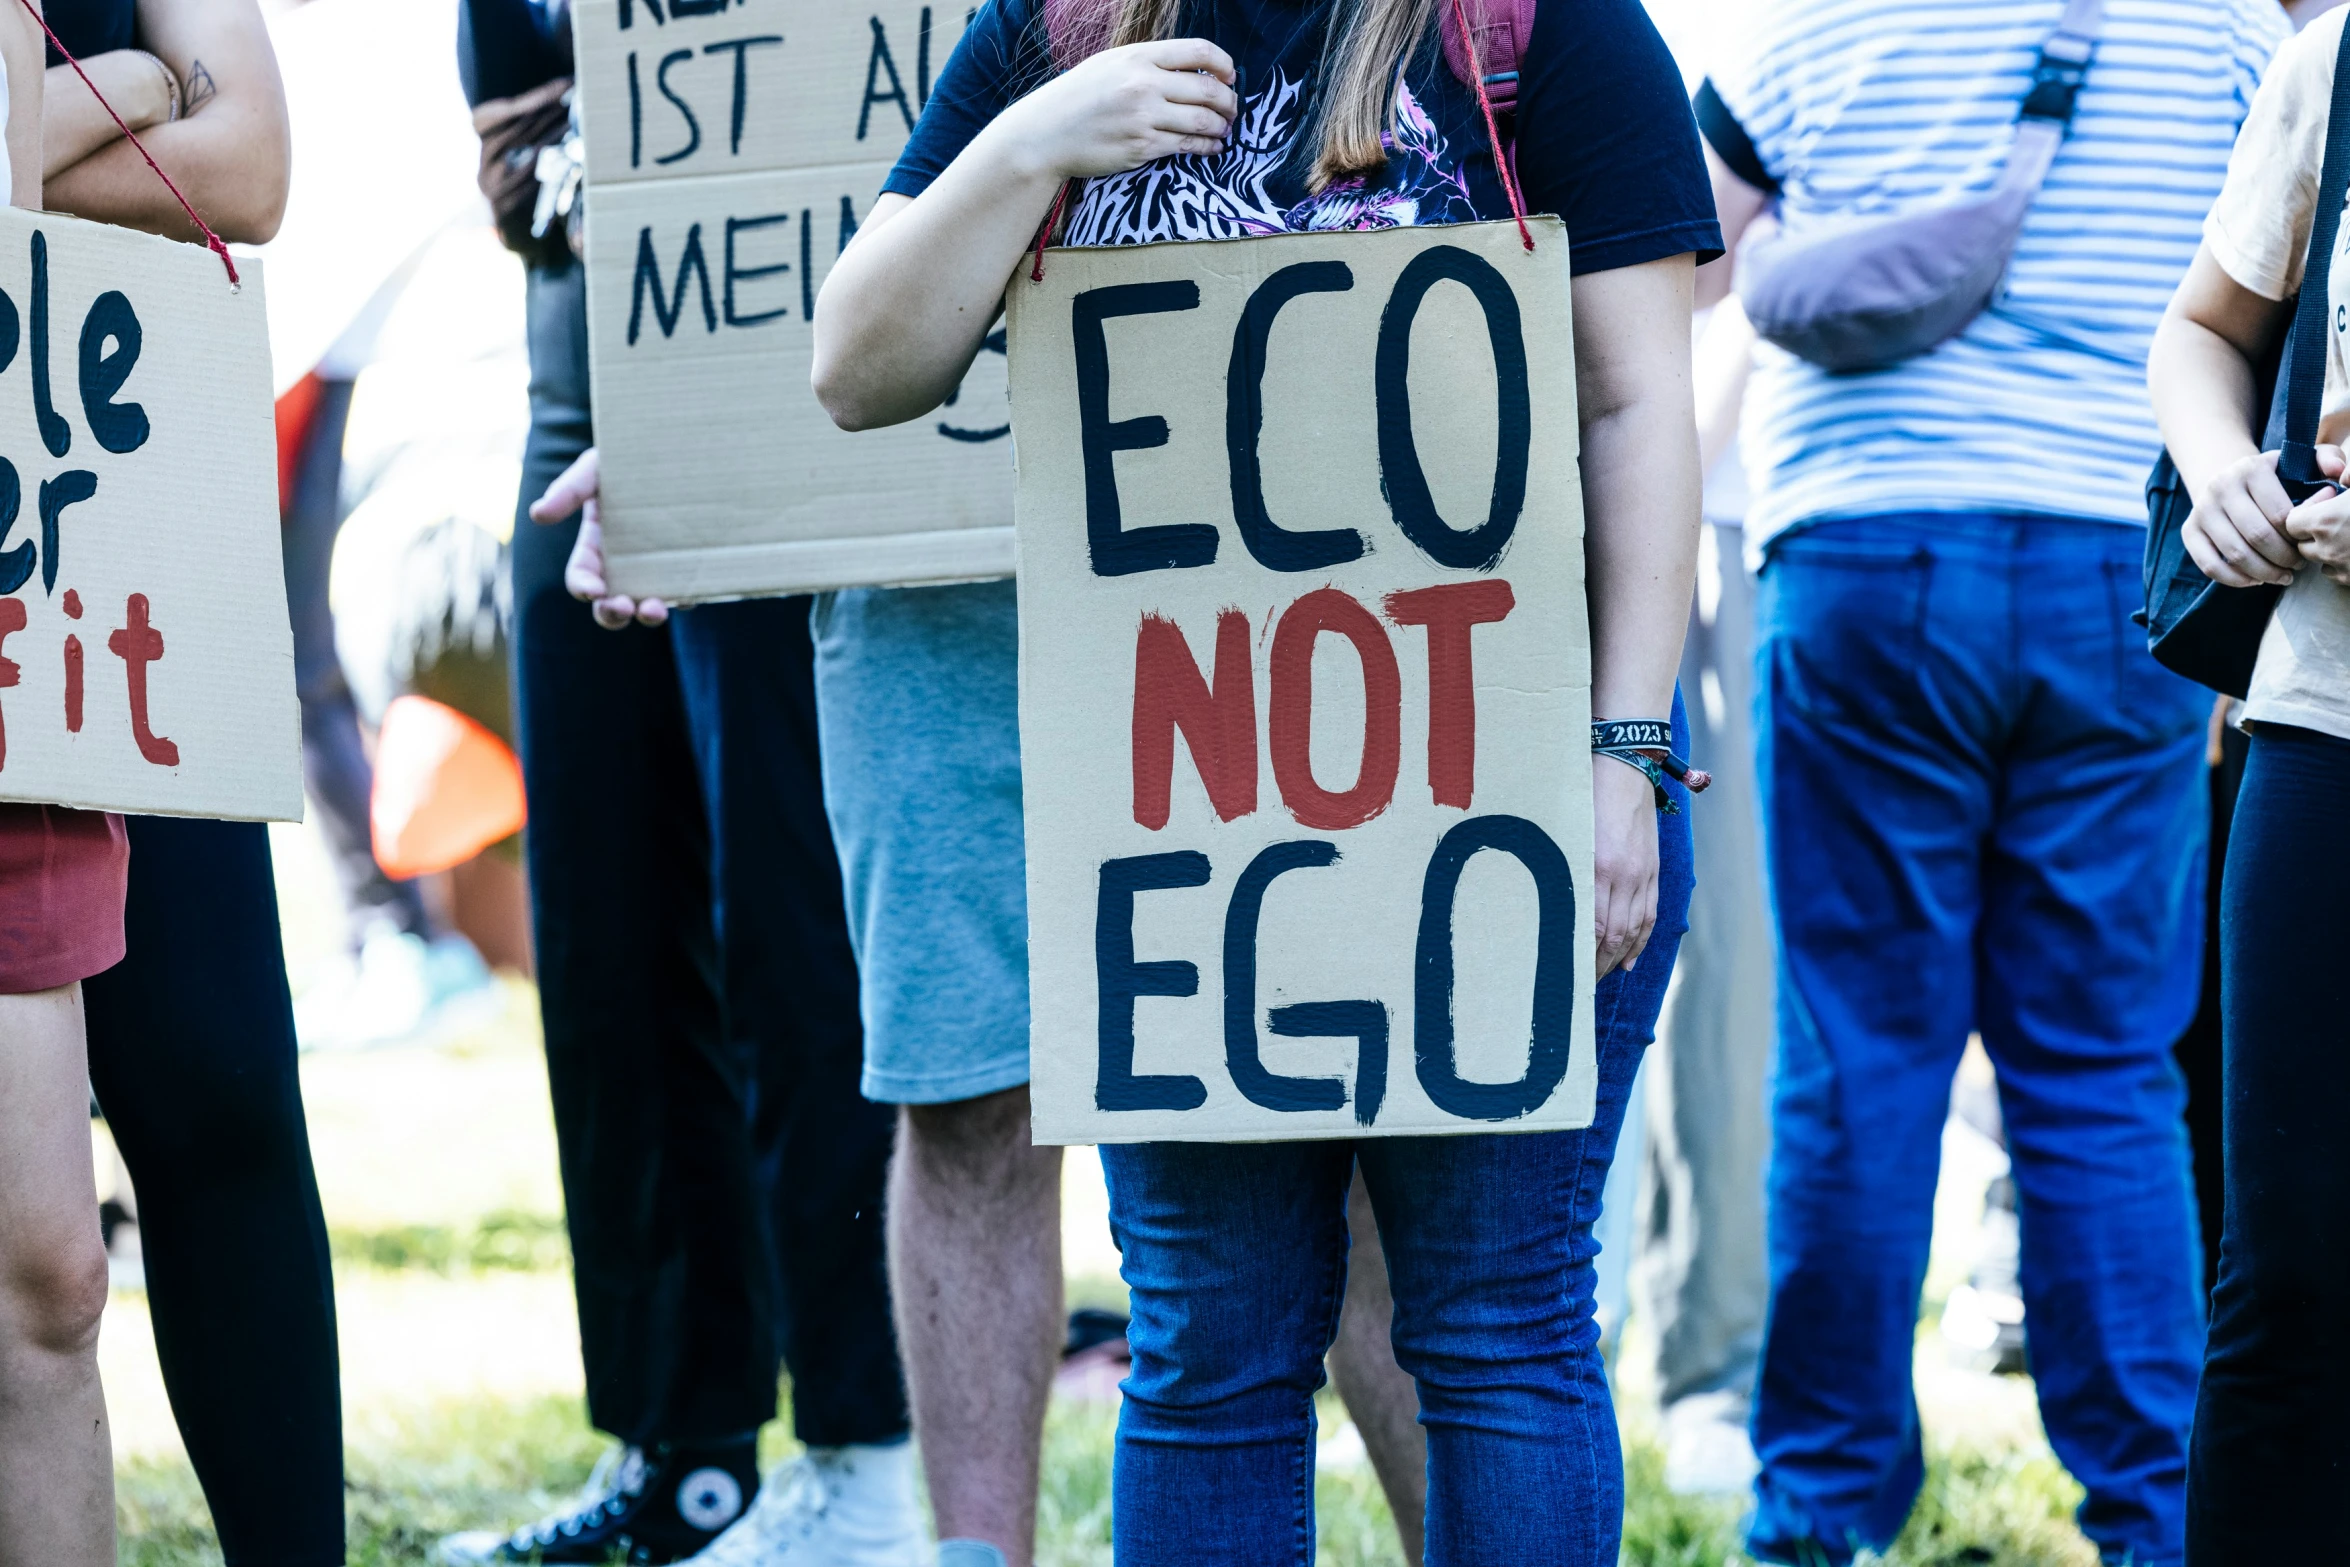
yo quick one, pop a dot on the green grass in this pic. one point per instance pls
(503, 1241)
(495, 1465)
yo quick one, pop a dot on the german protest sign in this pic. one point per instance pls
(731, 152)
(1304, 687)
(145, 660)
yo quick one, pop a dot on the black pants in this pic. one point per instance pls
(192, 1055)
(2270, 1461)
(722, 1174)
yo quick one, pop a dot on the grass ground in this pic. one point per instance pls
(461, 1376)
(496, 1462)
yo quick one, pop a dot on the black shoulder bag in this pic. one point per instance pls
(2194, 626)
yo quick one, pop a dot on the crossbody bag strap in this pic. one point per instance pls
(2305, 374)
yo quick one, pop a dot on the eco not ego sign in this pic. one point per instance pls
(1304, 681)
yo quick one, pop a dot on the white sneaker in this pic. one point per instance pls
(833, 1507)
(1707, 1450)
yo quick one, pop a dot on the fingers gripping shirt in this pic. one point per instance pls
(1604, 137)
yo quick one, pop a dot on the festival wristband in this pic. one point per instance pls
(1647, 744)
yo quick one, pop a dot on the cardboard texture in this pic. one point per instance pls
(145, 659)
(731, 152)
(1304, 687)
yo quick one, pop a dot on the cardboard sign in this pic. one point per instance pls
(145, 660)
(1304, 688)
(731, 152)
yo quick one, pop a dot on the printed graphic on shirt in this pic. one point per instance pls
(1228, 195)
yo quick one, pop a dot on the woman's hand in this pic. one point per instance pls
(1123, 108)
(2237, 530)
(906, 307)
(2320, 525)
(577, 489)
(1624, 862)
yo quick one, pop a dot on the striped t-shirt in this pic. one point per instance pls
(1881, 106)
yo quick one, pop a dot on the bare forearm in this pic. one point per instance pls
(2204, 399)
(74, 124)
(20, 56)
(908, 304)
(1640, 509)
(1640, 479)
(211, 160)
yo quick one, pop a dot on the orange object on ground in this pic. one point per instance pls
(445, 789)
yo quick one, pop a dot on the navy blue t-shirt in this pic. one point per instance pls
(90, 27)
(1604, 135)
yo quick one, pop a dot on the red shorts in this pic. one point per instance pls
(62, 879)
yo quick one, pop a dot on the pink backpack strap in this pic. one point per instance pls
(1504, 28)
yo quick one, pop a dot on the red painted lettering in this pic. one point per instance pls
(1448, 611)
(1291, 717)
(73, 685)
(1218, 718)
(139, 644)
(12, 618)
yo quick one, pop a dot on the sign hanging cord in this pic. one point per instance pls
(212, 241)
(1501, 157)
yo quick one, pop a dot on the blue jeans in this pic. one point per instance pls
(1984, 809)
(1236, 1258)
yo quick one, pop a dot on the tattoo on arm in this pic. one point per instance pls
(201, 89)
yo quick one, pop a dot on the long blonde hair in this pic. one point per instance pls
(1362, 64)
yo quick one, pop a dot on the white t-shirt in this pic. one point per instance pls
(2259, 234)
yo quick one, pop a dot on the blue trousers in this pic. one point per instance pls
(1984, 810)
(1235, 1255)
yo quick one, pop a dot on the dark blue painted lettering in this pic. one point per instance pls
(1363, 1021)
(119, 427)
(1275, 547)
(16, 565)
(876, 63)
(1400, 475)
(807, 268)
(1554, 972)
(693, 127)
(692, 264)
(636, 116)
(922, 62)
(1116, 552)
(68, 488)
(628, 14)
(56, 434)
(742, 80)
(1119, 979)
(736, 226)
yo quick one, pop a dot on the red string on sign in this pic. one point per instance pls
(212, 241)
(1501, 162)
(1052, 220)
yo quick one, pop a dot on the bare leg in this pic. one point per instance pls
(1378, 1392)
(56, 1455)
(975, 1264)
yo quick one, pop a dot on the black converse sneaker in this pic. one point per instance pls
(640, 1506)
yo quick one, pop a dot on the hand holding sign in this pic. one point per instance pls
(577, 490)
